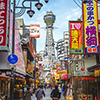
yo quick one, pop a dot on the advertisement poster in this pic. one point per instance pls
(90, 27)
(20, 67)
(76, 42)
(34, 31)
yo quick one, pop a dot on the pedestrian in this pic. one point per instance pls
(44, 85)
(65, 90)
(28, 94)
(39, 93)
(59, 87)
(55, 94)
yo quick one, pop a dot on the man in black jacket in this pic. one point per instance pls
(55, 94)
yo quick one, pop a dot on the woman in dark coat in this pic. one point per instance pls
(55, 94)
(28, 94)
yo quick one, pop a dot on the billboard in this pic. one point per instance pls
(90, 27)
(34, 31)
(4, 24)
(76, 43)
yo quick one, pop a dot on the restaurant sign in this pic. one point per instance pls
(4, 24)
(90, 27)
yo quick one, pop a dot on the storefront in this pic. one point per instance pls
(5, 86)
(96, 70)
(19, 82)
(84, 87)
(83, 82)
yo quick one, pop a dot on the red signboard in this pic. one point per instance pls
(76, 43)
(4, 24)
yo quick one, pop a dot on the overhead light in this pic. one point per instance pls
(84, 1)
(46, 1)
(30, 13)
(38, 5)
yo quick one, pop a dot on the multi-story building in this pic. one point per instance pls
(60, 49)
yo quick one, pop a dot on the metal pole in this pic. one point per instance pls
(13, 34)
(13, 42)
(67, 60)
(35, 73)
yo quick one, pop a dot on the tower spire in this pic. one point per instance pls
(49, 19)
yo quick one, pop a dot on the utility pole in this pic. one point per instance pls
(13, 44)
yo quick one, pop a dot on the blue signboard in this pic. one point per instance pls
(12, 59)
(67, 58)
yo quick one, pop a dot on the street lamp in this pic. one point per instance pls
(30, 11)
(46, 1)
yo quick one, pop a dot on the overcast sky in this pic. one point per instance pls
(64, 10)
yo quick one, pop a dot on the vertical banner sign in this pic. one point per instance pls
(4, 24)
(35, 31)
(76, 43)
(90, 27)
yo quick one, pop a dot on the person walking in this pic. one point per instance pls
(55, 94)
(39, 93)
(59, 87)
(28, 94)
(65, 90)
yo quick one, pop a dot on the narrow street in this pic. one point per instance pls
(47, 97)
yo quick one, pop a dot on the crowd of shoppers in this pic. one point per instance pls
(55, 94)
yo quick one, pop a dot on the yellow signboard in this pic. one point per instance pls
(62, 72)
(57, 76)
(90, 27)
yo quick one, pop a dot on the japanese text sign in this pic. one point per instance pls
(76, 43)
(4, 24)
(35, 31)
(90, 27)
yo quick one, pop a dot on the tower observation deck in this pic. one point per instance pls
(49, 19)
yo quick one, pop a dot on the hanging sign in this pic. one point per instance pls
(4, 24)
(90, 27)
(34, 31)
(76, 43)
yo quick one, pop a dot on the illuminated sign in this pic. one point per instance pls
(4, 24)
(76, 43)
(90, 27)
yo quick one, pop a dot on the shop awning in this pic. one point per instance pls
(2, 77)
(92, 68)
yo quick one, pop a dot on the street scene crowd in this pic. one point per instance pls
(67, 68)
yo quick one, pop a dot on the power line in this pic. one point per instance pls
(18, 2)
(77, 4)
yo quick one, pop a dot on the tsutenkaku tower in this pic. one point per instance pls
(49, 19)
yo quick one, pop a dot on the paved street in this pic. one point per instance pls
(47, 97)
